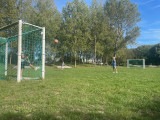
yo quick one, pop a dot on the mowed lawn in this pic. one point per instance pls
(84, 93)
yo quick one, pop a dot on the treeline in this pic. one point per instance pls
(99, 31)
(151, 54)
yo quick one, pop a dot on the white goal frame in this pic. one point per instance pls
(128, 65)
(19, 46)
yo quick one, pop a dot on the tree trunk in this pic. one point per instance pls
(115, 49)
(106, 60)
(10, 59)
(83, 59)
(86, 59)
(117, 39)
(75, 55)
(95, 52)
(71, 58)
(75, 64)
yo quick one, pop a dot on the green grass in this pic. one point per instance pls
(12, 72)
(84, 93)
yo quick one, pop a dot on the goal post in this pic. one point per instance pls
(22, 51)
(19, 50)
(6, 58)
(43, 53)
(134, 63)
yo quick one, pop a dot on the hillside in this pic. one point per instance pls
(149, 52)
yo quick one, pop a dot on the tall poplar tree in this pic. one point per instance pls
(123, 16)
(9, 12)
(99, 29)
(75, 16)
(44, 13)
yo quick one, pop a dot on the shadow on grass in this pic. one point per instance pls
(68, 115)
(150, 112)
(20, 116)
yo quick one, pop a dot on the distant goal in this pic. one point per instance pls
(136, 63)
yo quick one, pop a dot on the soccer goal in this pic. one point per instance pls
(22, 51)
(133, 63)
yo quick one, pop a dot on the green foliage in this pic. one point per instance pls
(75, 26)
(123, 16)
(45, 14)
(154, 55)
(8, 12)
(99, 26)
(151, 53)
(84, 32)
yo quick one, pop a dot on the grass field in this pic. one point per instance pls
(84, 93)
(12, 72)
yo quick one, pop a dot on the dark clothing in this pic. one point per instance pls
(114, 63)
(24, 63)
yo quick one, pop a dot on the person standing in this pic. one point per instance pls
(114, 65)
(63, 65)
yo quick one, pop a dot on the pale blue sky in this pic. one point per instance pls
(150, 24)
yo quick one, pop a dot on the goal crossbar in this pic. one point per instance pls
(7, 26)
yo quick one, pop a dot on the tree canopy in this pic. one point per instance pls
(123, 16)
(94, 32)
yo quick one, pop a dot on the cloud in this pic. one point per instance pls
(147, 2)
(155, 23)
(149, 37)
(155, 30)
(142, 2)
(146, 24)
(151, 34)
(157, 6)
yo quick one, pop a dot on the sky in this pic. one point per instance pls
(149, 25)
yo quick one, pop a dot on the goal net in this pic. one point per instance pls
(134, 63)
(22, 51)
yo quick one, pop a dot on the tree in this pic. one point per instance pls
(108, 45)
(99, 29)
(151, 54)
(44, 13)
(8, 12)
(123, 16)
(75, 26)
(154, 55)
